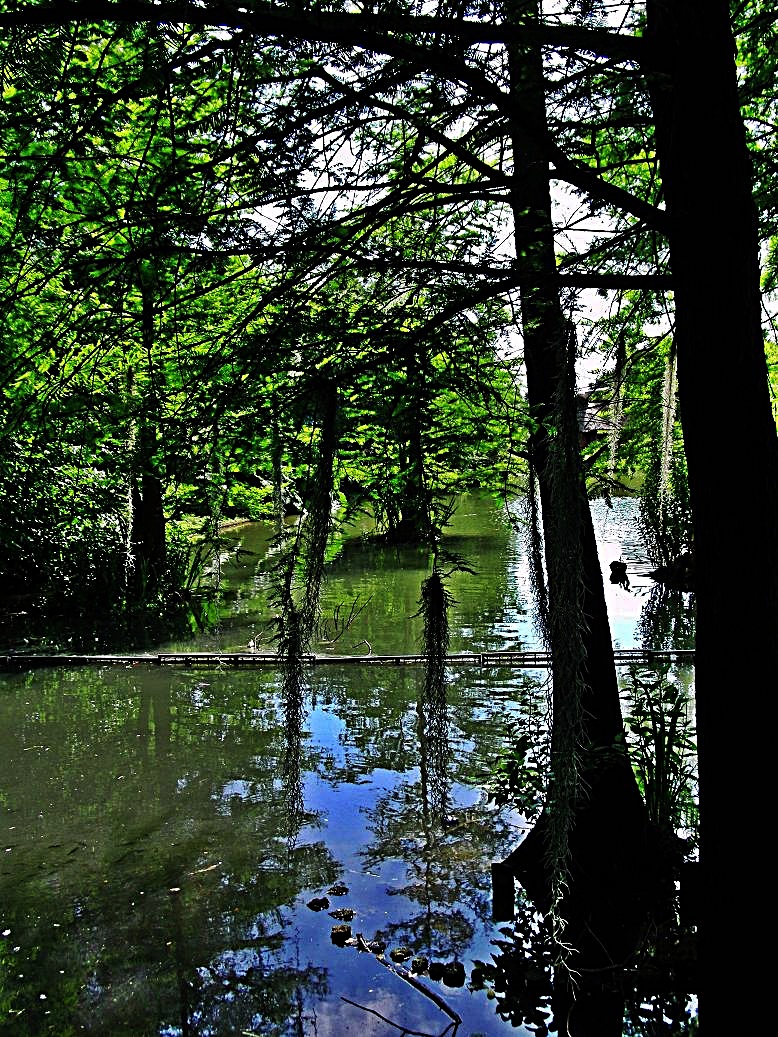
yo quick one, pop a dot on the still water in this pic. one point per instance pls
(158, 861)
(493, 602)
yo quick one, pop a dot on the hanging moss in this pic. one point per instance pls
(665, 508)
(617, 408)
(433, 608)
(277, 463)
(299, 577)
(293, 694)
(535, 556)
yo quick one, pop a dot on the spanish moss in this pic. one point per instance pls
(566, 628)
(537, 574)
(277, 451)
(301, 574)
(617, 407)
(668, 421)
(665, 505)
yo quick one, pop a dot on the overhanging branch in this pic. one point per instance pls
(393, 36)
(368, 30)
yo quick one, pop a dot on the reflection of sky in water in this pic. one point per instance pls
(617, 538)
(378, 889)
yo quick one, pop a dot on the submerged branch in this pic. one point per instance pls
(403, 1029)
(415, 983)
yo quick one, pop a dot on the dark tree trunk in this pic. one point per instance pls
(414, 524)
(147, 535)
(729, 432)
(612, 858)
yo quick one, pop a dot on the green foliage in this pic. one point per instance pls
(637, 403)
(62, 535)
(771, 351)
(520, 778)
(143, 334)
(662, 748)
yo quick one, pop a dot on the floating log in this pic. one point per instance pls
(523, 660)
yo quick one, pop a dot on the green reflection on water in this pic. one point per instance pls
(131, 862)
(490, 611)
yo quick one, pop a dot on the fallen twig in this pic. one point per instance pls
(404, 1030)
(415, 983)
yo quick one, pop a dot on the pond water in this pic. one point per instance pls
(493, 602)
(161, 867)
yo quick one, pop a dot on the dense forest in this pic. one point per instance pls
(314, 260)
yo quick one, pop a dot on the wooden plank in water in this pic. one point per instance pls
(24, 661)
(217, 659)
(524, 660)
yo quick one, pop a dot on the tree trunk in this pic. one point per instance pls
(415, 524)
(722, 374)
(147, 535)
(595, 825)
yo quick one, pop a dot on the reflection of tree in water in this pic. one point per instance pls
(250, 987)
(445, 847)
(647, 995)
(293, 696)
(432, 727)
(432, 730)
(428, 801)
(446, 870)
(164, 912)
(432, 711)
(667, 619)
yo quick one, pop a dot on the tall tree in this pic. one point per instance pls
(597, 880)
(714, 247)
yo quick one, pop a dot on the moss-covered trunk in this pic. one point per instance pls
(591, 856)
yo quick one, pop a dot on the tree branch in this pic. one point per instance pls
(364, 29)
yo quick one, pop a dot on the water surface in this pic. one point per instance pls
(159, 854)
